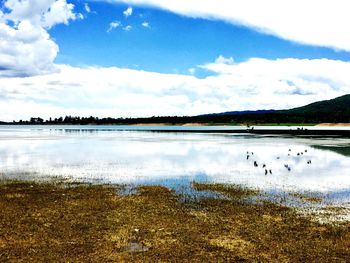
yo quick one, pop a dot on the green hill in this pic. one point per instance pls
(334, 110)
(338, 106)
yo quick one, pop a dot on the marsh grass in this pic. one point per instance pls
(93, 223)
(308, 197)
(231, 190)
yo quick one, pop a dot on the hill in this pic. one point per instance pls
(337, 106)
(334, 110)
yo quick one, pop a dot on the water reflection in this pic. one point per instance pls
(175, 159)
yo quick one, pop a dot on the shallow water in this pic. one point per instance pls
(132, 155)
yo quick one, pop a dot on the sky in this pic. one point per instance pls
(140, 58)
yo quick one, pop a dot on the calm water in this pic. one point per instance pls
(120, 155)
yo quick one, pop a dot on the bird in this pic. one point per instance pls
(287, 166)
(266, 171)
(255, 164)
(247, 157)
(270, 171)
(264, 165)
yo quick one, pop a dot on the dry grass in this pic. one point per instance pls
(48, 222)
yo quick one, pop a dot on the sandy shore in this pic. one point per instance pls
(230, 124)
(81, 223)
(333, 124)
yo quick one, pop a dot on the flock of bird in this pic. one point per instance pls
(287, 166)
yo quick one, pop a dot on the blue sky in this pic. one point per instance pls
(132, 58)
(172, 44)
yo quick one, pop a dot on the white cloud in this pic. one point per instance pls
(314, 22)
(44, 13)
(222, 60)
(87, 8)
(192, 71)
(128, 12)
(59, 12)
(146, 24)
(25, 45)
(26, 50)
(282, 83)
(254, 84)
(127, 28)
(113, 25)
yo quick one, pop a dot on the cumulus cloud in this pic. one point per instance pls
(118, 92)
(313, 22)
(44, 13)
(25, 45)
(26, 50)
(128, 12)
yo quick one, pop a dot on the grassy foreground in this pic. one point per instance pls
(80, 223)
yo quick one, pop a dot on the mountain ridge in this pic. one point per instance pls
(338, 104)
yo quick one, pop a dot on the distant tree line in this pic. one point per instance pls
(276, 117)
(334, 110)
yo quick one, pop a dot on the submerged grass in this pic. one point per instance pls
(90, 223)
(308, 197)
(231, 190)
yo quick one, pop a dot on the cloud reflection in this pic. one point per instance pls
(141, 157)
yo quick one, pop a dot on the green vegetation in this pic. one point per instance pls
(343, 150)
(85, 223)
(335, 110)
(339, 107)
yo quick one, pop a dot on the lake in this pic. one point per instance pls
(134, 155)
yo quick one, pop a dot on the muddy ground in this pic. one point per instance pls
(59, 222)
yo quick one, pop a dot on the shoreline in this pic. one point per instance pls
(334, 124)
(306, 131)
(189, 124)
(79, 222)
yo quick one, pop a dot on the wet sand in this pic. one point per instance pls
(66, 222)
